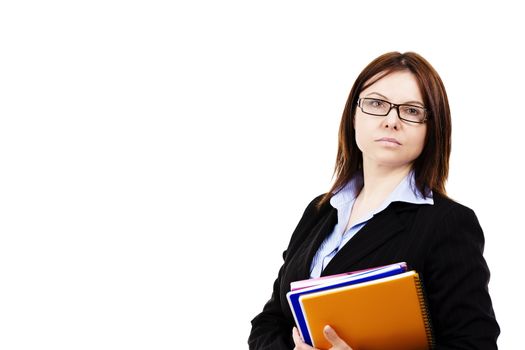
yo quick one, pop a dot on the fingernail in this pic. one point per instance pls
(327, 328)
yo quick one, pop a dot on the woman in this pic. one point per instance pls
(389, 204)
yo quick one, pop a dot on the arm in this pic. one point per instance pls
(456, 282)
(271, 330)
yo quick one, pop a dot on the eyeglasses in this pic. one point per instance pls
(408, 113)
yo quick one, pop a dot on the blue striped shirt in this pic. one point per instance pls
(343, 201)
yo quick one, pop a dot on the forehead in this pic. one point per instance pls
(397, 87)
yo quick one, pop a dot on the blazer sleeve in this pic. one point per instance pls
(271, 330)
(457, 289)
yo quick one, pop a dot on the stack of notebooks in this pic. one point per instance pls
(378, 308)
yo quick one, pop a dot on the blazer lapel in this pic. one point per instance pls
(382, 227)
(319, 232)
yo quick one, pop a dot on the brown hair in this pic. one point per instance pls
(431, 167)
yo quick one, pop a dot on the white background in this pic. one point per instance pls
(155, 156)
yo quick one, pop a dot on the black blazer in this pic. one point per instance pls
(442, 242)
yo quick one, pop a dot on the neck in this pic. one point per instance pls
(380, 181)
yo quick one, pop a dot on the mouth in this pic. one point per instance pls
(389, 140)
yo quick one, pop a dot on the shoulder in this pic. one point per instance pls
(433, 215)
(445, 207)
(313, 214)
(444, 221)
(315, 208)
(450, 221)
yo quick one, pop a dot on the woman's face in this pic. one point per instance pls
(388, 140)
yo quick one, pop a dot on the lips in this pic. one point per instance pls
(389, 139)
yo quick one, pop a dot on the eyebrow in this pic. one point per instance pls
(387, 99)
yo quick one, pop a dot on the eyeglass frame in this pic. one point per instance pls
(396, 107)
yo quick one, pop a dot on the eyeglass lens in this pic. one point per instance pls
(379, 107)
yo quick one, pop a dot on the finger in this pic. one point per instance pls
(296, 337)
(331, 335)
(299, 343)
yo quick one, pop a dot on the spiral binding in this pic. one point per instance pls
(424, 310)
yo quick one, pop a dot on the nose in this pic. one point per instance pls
(392, 119)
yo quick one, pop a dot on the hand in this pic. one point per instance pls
(329, 334)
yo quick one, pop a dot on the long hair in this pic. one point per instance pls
(431, 167)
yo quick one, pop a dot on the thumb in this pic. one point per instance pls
(333, 338)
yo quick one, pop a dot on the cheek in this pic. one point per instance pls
(419, 141)
(359, 130)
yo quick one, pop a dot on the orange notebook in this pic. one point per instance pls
(388, 313)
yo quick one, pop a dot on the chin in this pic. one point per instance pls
(391, 163)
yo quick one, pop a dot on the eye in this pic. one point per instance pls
(372, 102)
(414, 111)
